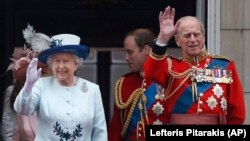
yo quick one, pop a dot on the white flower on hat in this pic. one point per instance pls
(28, 33)
(40, 42)
(37, 41)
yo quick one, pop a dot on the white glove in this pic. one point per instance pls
(32, 75)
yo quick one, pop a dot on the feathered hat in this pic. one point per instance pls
(64, 43)
(35, 43)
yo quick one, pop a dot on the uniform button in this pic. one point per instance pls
(201, 94)
(139, 134)
(157, 96)
(67, 101)
(139, 128)
(200, 102)
(199, 110)
(68, 114)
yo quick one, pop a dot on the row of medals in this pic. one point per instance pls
(200, 75)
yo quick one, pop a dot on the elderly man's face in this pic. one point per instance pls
(64, 66)
(190, 38)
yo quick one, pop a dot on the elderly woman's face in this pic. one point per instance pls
(64, 66)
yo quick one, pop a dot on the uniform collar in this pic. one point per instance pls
(203, 55)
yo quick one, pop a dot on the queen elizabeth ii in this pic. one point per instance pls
(68, 107)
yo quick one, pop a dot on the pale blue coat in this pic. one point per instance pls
(73, 113)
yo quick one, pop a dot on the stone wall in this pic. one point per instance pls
(235, 41)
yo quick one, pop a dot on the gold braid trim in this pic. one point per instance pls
(118, 98)
(174, 75)
(157, 57)
(132, 100)
(221, 57)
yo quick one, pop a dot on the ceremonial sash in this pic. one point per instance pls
(185, 100)
(136, 116)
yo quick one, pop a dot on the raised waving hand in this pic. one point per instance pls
(32, 75)
(167, 27)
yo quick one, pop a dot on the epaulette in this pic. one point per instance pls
(127, 74)
(174, 57)
(221, 57)
(122, 77)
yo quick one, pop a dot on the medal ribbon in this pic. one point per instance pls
(185, 100)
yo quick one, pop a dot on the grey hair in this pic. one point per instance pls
(78, 60)
(202, 27)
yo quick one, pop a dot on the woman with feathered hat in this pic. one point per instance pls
(68, 107)
(17, 127)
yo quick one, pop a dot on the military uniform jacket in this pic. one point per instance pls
(73, 113)
(137, 104)
(211, 86)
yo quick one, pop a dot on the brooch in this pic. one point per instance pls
(218, 90)
(84, 87)
(212, 102)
